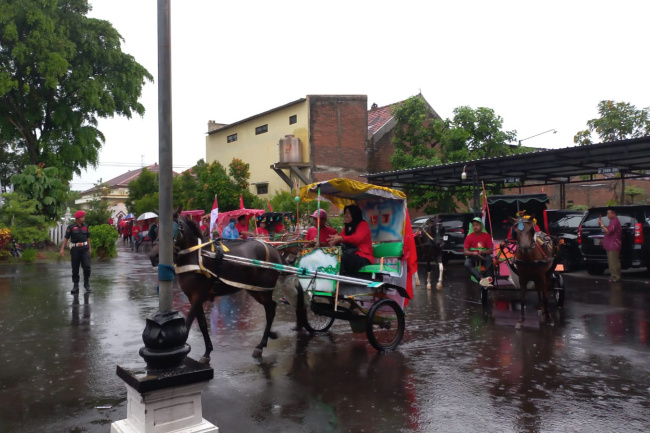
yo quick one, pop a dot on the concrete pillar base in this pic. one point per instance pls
(164, 400)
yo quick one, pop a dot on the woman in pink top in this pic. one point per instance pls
(612, 244)
(355, 239)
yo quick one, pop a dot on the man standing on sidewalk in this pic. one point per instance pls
(79, 236)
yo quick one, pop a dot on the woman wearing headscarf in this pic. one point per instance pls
(230, 231)
(355, 239)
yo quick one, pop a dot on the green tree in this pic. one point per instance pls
(21, 215)
(98, 212)
(617, 121)
(632, 191)
(422, 140)
(44, 186)
(196, 190)
(60, 72)
(141, 192)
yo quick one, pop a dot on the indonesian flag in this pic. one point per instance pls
(241, 201)
(214, 214)
(411, 257)
(268, 202)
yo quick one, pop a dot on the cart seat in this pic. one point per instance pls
(385, 250)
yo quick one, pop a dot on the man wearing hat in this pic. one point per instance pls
(79, 236)
(320, 222)
(478, 244)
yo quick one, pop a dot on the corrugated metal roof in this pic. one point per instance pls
(543, 167)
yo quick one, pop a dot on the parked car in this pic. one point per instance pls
(635, 249)
(456, 226)
(564, 224)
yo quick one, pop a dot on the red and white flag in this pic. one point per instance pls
(268, 202)
(214, 214)
(241, 201)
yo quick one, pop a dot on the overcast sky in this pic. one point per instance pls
(539, 65)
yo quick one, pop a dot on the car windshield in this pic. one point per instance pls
(568, 221)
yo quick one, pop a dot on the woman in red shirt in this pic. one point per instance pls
(355, 239)
(261, 230)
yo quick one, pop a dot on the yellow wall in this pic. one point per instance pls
(261, 151)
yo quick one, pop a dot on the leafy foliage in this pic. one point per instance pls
(141, 192)
(98, 212)
(5, 238)
(103, 238)
(422, 140)
(617, 121)
(44, 186)
(20, 214)
(60, 72)
(632, 191)
(196, 190)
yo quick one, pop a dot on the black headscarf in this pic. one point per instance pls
(357, 217)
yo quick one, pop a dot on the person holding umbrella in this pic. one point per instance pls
(79, 236)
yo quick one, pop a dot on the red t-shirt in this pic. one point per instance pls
(135, 230)
(361, 239)
(241, 228)
(482, 240)
(261, 231)
(325, 233)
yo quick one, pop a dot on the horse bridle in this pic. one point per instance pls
(200, 267)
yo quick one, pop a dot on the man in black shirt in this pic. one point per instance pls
(79, 236)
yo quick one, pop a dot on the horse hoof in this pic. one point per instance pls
(204, 360)
(257, 353)
(428, 286)
(519, 325)
(273, 335)
(439, 286)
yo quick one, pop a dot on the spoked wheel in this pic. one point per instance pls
(317, 323)
(558, 290)
(385, 325)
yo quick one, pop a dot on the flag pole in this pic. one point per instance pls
(486, 206)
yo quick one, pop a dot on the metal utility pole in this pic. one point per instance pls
(165, 149)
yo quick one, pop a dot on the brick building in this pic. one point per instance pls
(311, 139)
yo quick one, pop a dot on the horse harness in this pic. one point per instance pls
(212, 254)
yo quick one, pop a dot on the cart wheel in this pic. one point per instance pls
(317, 323)
(558, 294)
(385, 325)
(484, 295)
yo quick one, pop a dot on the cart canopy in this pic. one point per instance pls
(342, 192)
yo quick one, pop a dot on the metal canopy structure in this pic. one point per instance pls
(630, 158)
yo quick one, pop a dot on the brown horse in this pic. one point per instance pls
(430, 240)
(203, 274)
(535, 261)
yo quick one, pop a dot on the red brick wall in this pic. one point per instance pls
(338, 128)
(379, 155)
(590, 194)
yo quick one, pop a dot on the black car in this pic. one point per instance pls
(635, 249)
(456, 226)
(564, 224)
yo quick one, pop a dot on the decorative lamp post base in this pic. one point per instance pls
(166, 400)
(164, 339)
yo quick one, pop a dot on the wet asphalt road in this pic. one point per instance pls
(461, 366)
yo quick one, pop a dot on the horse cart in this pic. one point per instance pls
(372, 299)
(507, 217)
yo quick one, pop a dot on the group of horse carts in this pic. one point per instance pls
(372, 299)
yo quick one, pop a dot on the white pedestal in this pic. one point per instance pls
(156, 408)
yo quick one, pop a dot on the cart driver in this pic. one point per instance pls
(478, 245)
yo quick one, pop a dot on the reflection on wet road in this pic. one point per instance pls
(460, 367)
